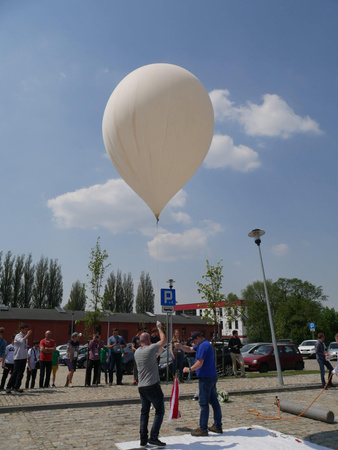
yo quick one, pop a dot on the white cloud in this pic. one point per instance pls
(223, 153)
(113, 205)
(183, 246)
(223, 107)
(274, 117)
(280, 249)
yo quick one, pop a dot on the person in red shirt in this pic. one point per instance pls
(47, 347)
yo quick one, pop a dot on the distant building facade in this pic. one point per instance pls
(229, 317)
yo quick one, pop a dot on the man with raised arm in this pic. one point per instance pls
(149, 387)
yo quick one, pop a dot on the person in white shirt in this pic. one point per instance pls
(20, 359)
(32, 364)
(335, 370)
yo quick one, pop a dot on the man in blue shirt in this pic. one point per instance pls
(115, 344)
(321, 359)
(205, 368)
(3, 345)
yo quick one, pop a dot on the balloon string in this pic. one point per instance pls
(157, 269)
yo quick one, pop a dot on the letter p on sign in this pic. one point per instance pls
(168, 297)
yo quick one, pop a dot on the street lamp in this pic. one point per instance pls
(256, 234)
(171, 283)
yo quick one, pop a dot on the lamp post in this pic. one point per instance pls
(169, 332)
(72, 328)
(256, 234)
(109, 314)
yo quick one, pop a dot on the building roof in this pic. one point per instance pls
(203, 305)
(27, 314)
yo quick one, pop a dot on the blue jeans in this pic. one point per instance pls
(151, 395)
(115, 359)
(328, 365)
(178, 365)
(208, 394)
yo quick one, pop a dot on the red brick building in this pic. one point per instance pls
(62, 323)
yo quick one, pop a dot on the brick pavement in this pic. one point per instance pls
(102, 427)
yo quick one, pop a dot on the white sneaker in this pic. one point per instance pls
(70, 385)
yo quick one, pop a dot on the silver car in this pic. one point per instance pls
(332, 351)
(308, 348)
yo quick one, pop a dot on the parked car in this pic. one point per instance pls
(332, 350)
(220, 348)
(263, 358)
(249, 348)
(82, 352)
(127, 360)
(61, 348)
(307, 348)
(285, 341)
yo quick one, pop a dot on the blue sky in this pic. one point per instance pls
(271, 71)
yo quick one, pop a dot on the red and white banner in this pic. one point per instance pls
(175, 393)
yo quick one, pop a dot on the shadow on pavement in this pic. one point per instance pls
(326, 438)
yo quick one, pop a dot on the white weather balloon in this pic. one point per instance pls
(157, 128)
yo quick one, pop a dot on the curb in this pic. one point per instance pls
(133, 401)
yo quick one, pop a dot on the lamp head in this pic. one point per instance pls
(256, 234)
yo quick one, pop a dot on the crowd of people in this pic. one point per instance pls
(43, 355)
(43, 358)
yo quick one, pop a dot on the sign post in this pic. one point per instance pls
(168, 302)
(312, 327)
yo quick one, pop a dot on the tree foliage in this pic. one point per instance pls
(77, 297)
(128, 293)
(108, 302)
(294, 304)
(145, 294)
(97, 268)
(210, 292)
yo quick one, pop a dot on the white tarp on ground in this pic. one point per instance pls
(249, 438)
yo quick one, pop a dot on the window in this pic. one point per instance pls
(236, 324)
(229, 324)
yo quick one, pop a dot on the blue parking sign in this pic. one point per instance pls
(312, 326)
(168, 297)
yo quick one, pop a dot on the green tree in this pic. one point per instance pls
(128, 293)
(97, 267)
(6, 279)
(256, 319)
(108, 302)
(18, 281)
(28, 283)
(145, 294)
(210, 292)
(294, 303)
(40, 288)
(55, 285)
(119, 294)
(77, 297)
(327, 324)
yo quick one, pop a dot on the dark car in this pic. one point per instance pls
(224, 363)
(263, 358)
(64, 354)
(127, 360)
(285, 341)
